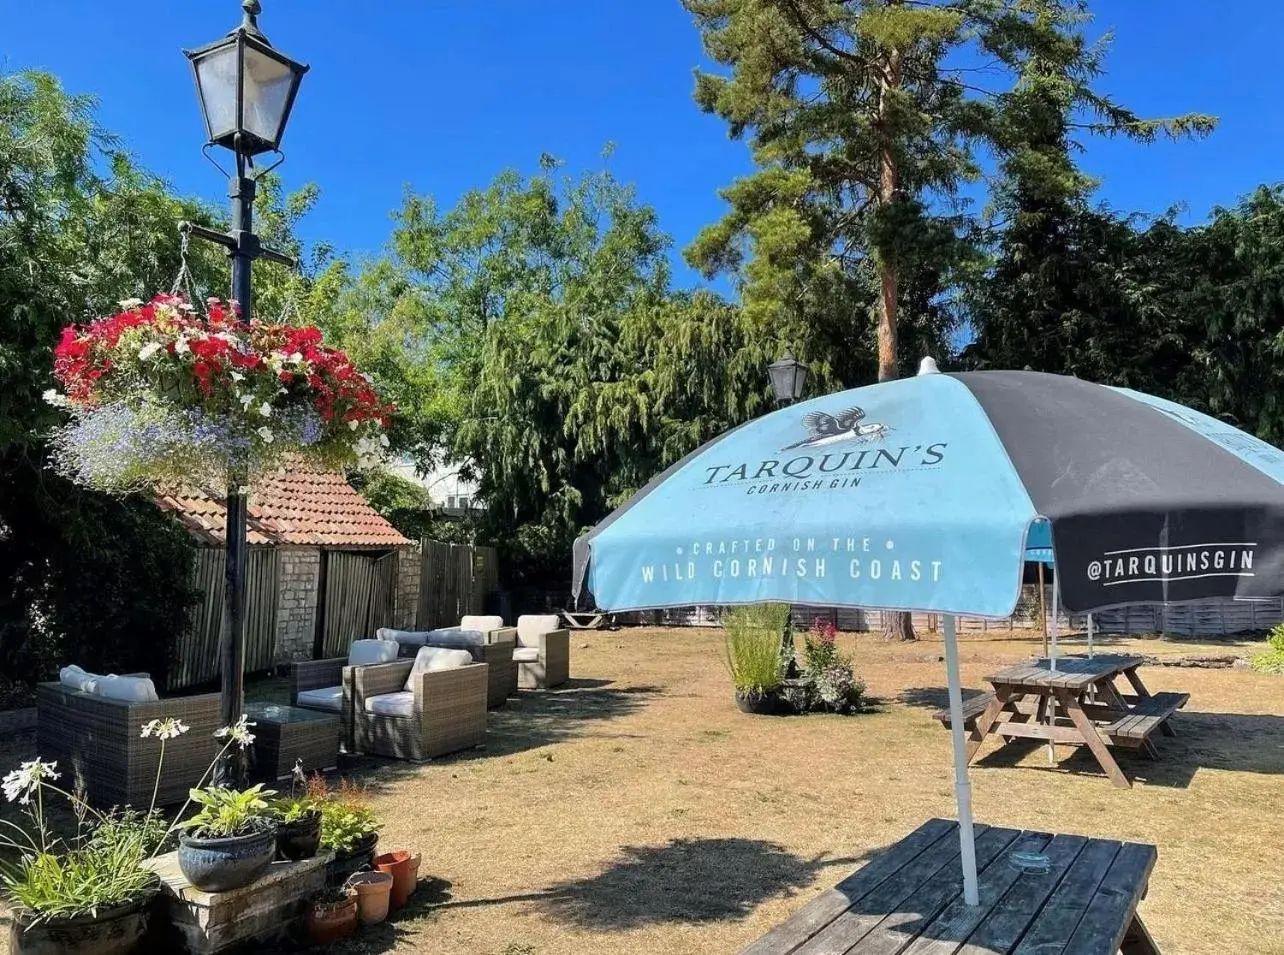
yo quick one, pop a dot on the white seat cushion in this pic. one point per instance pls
(413, 638)
(436, 658)
(530, 626)
(127, 689)
(526, 655)
(484, 624)
(328, 698)
(391, 704)
(367, 652)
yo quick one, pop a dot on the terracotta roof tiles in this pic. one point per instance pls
(300, 507)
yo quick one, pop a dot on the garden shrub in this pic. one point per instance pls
(753, 641)
(1272, 659)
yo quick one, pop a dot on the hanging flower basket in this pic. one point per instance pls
(160, 395)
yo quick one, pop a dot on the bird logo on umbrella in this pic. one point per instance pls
(826, 429)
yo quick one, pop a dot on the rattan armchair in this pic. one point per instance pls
(542, 654)
(319, 675)
(98, 743)
(449, 710)
(495, 650)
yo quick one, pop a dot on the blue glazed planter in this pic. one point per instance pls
(220, 865)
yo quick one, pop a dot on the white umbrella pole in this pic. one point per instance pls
(962, 786)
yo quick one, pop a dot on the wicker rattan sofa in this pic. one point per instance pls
(446, 711)
(487, 642)
(543, 652)
(326, 686)
(98, 743)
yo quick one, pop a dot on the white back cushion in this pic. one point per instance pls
(408, 637)
(128, 689)
(437, 658)
(74, 678)
(484, 624)
(530, 626)
(366, 652)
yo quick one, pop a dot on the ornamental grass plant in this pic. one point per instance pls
(753, 640)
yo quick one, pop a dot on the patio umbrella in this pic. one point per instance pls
(919, 494)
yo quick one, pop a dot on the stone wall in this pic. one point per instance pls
(409, 565)
(296, 611)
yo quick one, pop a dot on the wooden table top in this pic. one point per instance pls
(909, 898)
(1071, 672)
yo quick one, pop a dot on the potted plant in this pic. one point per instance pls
(230, 841)
(753, 644)
(332, 915)
(348, 827)
(298, 820)
(374, 895)
(87, 893)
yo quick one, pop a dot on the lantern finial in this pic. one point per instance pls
(250, 24)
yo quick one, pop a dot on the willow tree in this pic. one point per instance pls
(869, 120)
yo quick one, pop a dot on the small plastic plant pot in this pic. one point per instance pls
(397, 864)
(374, 891)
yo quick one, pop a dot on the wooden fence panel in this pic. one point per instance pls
(196, 650)
(349, 580)
(454, 580)
(383, 592)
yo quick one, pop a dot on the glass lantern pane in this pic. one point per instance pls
(800, 381)
(216, 73)
(267, 91)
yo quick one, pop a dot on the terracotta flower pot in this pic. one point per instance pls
(328, 922)
(397, 863)
(374, 890)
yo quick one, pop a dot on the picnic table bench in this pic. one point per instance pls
(1076, 704)
(1080, 898)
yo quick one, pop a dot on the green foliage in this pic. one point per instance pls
(753, 637)
(80, 881)
(346, 816)
(229, 812)
(1272, 659)
(407, 506)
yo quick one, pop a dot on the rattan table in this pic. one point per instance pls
(285, 734)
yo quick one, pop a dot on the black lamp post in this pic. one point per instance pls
(246, 91)
(788, 379)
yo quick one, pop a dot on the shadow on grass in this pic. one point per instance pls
(532, 719)
(687, 881)
(1235, 742)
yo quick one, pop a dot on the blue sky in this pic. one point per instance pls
(439, 95)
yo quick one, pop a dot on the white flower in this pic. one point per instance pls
(148, 350)
(265, 410)
(23, 781)
(296, 357)
(237, 376)
(181, 346)
(354, 424)
(383, 441)
(168, 728)
(128, 303)
(54, 398)
(246, 401)
(187, 307)
(238, 732)
(265, 433)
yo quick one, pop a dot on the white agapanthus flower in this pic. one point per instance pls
(238, 732)
(265, 433)
(168, 728)
(148, 350)
(265, 410)
(128, 303)
(25, 780)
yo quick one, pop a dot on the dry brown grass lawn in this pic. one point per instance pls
(638, 811)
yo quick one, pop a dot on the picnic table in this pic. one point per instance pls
(1077, 703)
(1069, 894)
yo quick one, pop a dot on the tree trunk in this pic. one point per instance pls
(896, 625)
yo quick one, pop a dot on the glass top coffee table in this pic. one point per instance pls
(286, 734)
